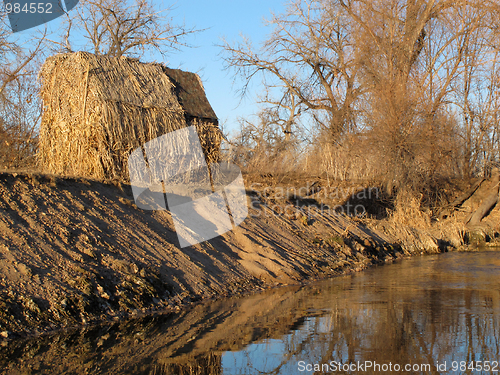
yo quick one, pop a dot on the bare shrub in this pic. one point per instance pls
(262, 147)
(20, 106)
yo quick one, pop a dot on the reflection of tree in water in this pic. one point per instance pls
(405, 314)
(400, 327)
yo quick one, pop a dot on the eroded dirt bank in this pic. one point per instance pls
(77, 251)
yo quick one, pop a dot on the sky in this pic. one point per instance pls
(221, 19)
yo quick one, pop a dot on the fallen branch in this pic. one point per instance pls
(448, 209)
(488, 203)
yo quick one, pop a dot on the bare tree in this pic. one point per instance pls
(262, 146)
(284, 112)
(14, 67)
(391, 37)
(476, 92)
(309, 55)
(406, 89)
(411, 54)
(116, 28)
(19, 104)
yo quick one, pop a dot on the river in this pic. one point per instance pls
(434, 314)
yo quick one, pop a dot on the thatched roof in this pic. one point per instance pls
(97, 109)
(189, 89)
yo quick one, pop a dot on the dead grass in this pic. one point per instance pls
(408, 211)
(452, 230)
(413, 227)
(408, 225)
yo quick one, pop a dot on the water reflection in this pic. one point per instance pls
(437, 310)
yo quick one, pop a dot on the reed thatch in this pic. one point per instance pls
(97, 109)
(198, 111)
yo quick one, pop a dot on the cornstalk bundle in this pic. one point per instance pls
(98, 109)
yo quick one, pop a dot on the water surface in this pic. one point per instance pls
(437, 314)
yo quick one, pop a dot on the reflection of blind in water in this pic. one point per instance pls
(210, 364)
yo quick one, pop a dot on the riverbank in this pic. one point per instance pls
(77, 251)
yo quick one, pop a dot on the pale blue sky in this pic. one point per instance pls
(225, 19)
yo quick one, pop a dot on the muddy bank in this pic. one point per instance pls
(78, 251)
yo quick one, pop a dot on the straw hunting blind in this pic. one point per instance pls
(98, 109)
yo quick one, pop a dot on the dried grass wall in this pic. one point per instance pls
(210, 138)
(98, 109)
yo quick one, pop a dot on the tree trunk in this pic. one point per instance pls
(489, 202)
